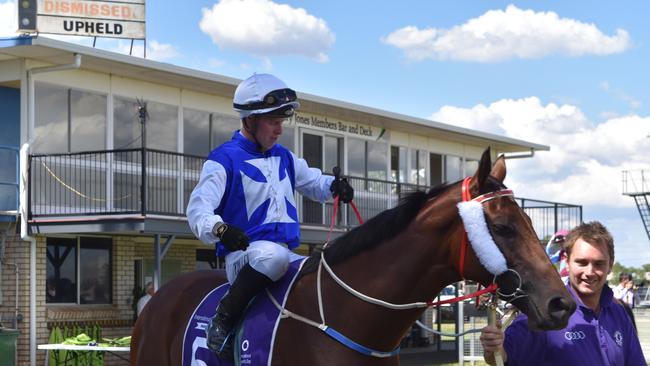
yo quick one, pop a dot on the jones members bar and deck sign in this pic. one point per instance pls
(115, 19)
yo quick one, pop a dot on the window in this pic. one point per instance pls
(398, 164)
(471, 166)
(435, 169)
(287, 139)
(126, 126)
(222, 128)
(161, 125)
(68, 120)
(453, 168)
(367, 159)
(203, 131)
(377, 160)
(418, 167)
(79, 270)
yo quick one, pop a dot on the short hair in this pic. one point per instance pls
(592, 232)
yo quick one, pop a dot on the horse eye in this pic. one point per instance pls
(503, 230)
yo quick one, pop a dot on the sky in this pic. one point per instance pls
(571, 75)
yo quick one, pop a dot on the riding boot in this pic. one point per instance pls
(219, 333)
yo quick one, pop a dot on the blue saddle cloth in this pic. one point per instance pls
(256, 332)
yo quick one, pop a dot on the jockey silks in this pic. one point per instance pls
(253, 191)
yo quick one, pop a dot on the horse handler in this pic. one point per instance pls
(244, 201)
(599, 332)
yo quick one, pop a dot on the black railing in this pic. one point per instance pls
(112, 182)
(137, 181)
(549, 217)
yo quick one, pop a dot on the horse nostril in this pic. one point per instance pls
(560, 308)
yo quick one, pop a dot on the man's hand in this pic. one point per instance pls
(231, 236)
(492, 341)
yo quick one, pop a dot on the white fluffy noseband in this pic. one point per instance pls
(471, 212)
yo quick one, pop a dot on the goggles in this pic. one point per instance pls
(275, 98)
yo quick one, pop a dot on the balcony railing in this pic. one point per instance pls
(128, 181)
(146, 181)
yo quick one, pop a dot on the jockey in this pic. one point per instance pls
(244, 201)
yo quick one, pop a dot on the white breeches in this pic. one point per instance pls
(267, 257)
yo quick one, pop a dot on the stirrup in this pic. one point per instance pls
(217, 341)
(226, 349)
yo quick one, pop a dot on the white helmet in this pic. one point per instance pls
(264, 94)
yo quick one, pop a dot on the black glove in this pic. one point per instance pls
(231, 236)
(340, 187)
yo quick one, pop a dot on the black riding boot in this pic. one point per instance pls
(219, 333)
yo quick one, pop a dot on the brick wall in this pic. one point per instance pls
(116, 320)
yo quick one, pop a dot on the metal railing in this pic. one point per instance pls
(549, 217)
(127, 181)
(636, 182)
(147, 181)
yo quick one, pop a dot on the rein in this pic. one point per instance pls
(323, 263)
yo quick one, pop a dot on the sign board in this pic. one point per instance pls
(92, 18)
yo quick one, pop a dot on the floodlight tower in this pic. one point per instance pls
(636, 183)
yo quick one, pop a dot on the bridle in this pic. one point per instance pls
(464, 244)
(466, 196)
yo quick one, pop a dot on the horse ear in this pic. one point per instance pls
(499, 169)
(481, 175)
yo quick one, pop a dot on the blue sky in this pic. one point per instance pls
(569, 74)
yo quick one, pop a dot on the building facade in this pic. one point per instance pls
(94, 191)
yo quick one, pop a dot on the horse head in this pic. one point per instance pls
(530, 283)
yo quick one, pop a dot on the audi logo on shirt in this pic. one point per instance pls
(574, 336)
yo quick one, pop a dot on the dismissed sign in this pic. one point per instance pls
(116, 19)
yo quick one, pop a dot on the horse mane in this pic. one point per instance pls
(383, 226)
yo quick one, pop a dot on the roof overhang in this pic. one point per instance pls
(57, 52)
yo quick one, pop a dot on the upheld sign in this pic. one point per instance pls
(116, 19)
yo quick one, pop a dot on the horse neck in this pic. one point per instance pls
(411, 267)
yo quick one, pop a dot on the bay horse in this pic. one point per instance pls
(405, 254)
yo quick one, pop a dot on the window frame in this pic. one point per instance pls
(78, 273)
(69, 109)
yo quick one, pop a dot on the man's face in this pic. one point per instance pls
(268, 130)
(588, 268)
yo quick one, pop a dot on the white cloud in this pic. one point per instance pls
(263, 28)
(8, 19)
(583, 166)
(499, 35)
(585, 162)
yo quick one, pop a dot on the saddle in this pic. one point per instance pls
(255, 334)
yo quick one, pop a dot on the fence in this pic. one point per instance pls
(147, 181)
(142, 181)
